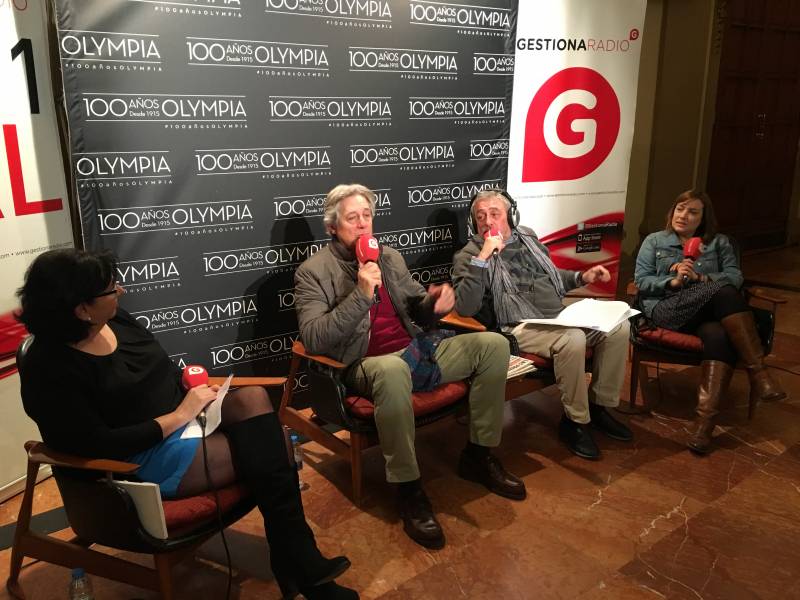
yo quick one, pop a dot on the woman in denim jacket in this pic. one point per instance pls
(702, 297)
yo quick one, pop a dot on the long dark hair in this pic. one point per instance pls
(708, 224)
(58, 281)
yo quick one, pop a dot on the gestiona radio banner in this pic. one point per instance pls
(573, 108)
(206, 133)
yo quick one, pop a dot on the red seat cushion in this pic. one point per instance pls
(185, 513)
(671, 339)
(547, 363)
(424, 402)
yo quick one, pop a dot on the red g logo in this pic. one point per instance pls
(572, 125)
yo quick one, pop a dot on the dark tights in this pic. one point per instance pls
(239, 405)
(706, 324)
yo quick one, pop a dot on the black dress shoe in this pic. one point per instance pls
(489, 472)
(603, 421)
(419, 522)
(578, 439)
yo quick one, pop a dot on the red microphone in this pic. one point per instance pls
(493, 232)
(193, 375)
(369, 250)
(692, 251)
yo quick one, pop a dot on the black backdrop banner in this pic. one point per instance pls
(206, 133)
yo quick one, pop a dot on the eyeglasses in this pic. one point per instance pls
(118, 289)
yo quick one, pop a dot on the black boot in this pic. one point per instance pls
(262, 462)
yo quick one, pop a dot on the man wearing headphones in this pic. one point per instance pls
(503, 275)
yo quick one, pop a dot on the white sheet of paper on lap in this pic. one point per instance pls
(600, 315)
(213, 414)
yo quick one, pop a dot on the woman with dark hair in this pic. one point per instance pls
(98, 384)
(702, 297)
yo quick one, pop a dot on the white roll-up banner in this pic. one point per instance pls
(572, 118)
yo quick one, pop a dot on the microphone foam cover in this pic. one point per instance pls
(693, 248)
(193, 375)
(367, 249)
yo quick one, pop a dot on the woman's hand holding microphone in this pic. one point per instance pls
(199, 394)
(684, 272)
(195, 401)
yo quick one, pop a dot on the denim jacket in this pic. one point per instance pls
(662, 249)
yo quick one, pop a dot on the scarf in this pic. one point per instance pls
(509, 305)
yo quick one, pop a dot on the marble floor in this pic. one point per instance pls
(649, 520)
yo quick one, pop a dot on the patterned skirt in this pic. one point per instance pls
(678, 307)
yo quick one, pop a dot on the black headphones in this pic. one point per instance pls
(512, 215)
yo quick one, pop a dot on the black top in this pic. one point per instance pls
(101, 406)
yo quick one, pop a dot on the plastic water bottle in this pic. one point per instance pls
(80, 587)
(297, 453)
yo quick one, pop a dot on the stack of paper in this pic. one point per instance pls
(589, 313)
(518, 366)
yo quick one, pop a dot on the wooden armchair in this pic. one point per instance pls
(101, 510)
(332, 403)
(655, 344)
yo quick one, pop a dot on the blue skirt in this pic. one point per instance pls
(166, 462)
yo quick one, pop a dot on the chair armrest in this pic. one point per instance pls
(761, 294)
(631, 290)
(38, 452)
(582, 292)
(300, 350)
(454, 319)
(243, 381)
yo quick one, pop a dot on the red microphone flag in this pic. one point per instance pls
(367, 249)
(693, 248)
(194, 375)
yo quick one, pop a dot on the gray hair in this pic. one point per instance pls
(331, 215)
(486, 195)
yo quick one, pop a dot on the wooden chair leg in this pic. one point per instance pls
(21, 531)
(632, 408)
(12, 584)
(164, 569)
(357, 442)
(635, 379)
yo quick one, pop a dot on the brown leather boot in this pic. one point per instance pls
(714, 382)
(741, 329)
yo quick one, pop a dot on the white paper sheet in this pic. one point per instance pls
(589, 313)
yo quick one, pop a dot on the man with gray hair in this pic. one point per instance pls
(504, 275)
(388, 356)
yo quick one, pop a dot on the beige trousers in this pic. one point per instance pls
(567, 348)
(480, 357)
